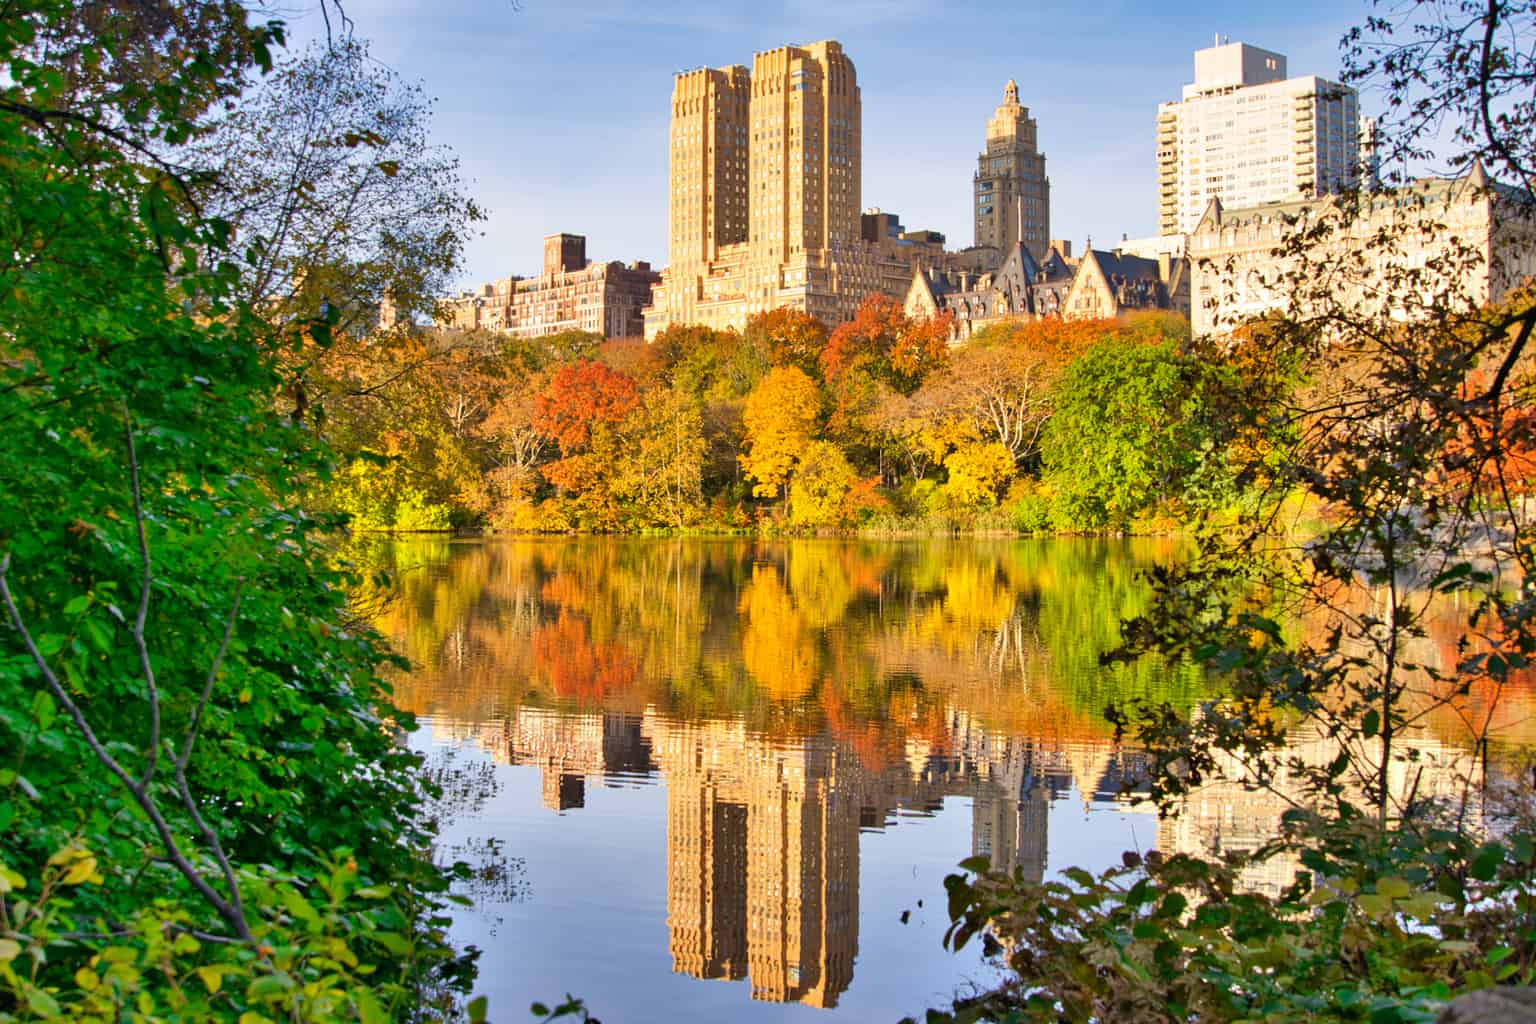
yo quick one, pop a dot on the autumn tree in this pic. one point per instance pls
(579, 396)
(976, 472)
(882, 341)
(655, 457)
(789, 337)
(781, 419)
(818, 494)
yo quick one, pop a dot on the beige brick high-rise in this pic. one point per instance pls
(765, 195)
(709, 163)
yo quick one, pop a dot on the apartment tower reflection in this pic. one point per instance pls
(762, 860)
(763, 834)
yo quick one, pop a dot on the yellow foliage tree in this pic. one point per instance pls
(781, 421)
(976, 471)
(817, 495)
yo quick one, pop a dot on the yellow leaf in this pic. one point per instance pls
(1393, 888)
(82, 870)
(213, 977)
(10, 949)
(87, 979)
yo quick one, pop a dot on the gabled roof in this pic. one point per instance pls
(1126, 267)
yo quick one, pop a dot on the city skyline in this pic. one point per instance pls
(559, 116)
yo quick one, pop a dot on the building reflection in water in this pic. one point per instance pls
(763, 834)
(795, 695)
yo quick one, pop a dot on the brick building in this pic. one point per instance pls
(571, 294)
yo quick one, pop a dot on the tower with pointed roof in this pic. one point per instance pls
(1012, 193)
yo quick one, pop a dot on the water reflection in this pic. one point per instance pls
(798, 701)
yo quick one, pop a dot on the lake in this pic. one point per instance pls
(704, 780)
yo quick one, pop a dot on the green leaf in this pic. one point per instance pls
(1485, 866)
(43, 709)
(77, 604)
(269, 987)
(41, 1003)
(396, 943)
(369, 1011)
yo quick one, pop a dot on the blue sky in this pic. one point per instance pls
(558, 110)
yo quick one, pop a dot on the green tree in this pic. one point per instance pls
(199, 775)
(1129, 430)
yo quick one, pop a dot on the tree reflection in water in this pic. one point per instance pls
(793, 694)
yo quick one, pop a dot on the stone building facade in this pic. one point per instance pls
(1019, 287)
(1460, 239)
(571, 294)
(1012, 193)
(1110, 283)
(1104, 283)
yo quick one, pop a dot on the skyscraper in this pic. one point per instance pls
(1013, 195)
(765, 194)
(1246, 134)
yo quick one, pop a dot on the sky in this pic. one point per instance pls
(558, 110)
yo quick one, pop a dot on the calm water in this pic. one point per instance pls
(723, 780)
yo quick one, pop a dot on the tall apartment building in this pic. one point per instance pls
(1246, 134)
(1013, 195)
(570, 295)
(765, 194)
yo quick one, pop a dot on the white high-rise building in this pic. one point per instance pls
(1247, 134)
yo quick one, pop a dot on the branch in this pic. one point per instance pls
(180, 764)
(231, 913)
(145, 668)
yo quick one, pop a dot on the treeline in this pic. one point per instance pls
(1033, 425)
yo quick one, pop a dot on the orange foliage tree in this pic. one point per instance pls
(581, 395)
(789, 337)
(884, 342)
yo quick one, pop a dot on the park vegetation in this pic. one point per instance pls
(206, 808)
(878, 425)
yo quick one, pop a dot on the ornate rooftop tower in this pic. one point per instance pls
(1013, 195)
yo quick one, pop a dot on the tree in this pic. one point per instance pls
(327, 176)
(976, 471)
(179, 672)
(818, 494)
(656, 460)
(1001, 382)
(1128, 432)
(790, 337)
(579, 396)
(781, 418)
(882, 340)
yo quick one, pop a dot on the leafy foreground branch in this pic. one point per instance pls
(205, 810)
(1376, 928)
